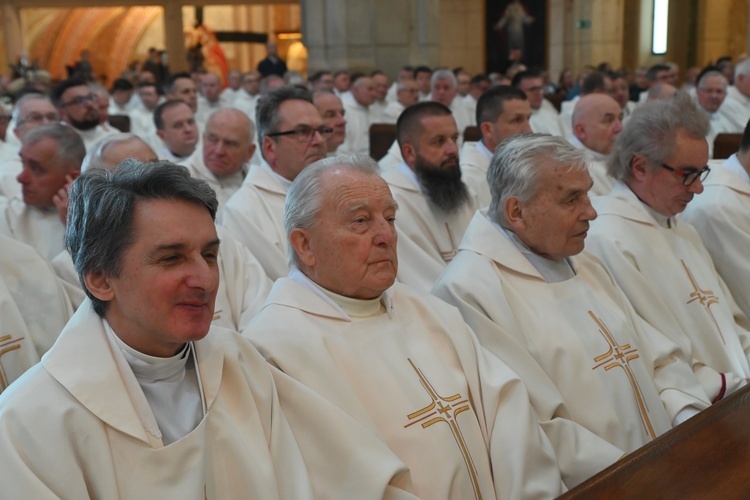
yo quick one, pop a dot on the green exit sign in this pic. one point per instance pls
(583, 24)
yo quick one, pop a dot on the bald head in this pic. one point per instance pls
(597, 121)
(363, 91)
(113, 149)
(228, 141)
(661, 91)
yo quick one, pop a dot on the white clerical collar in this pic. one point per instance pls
(483, 149)
(156, 407)
(344, 305)
(285, 183)
(733, 165)
(553, 271)
(410, 174)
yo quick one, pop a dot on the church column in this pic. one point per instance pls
(13, 36)
(174, 39)
(369, 34)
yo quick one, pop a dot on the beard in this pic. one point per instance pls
(85, 124)
(442, 183)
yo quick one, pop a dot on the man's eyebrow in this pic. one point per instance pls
(181, 246)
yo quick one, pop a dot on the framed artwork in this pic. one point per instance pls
(516, 31)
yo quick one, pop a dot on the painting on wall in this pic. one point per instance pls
(516, 32)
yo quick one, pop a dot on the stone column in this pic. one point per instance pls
(174, 39)
(368, 34)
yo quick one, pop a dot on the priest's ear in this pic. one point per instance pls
(99, 286)
(299, 239)
(639, 167)
(409, 153)
(513, 211)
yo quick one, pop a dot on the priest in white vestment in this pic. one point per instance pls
(501, 112)
(29, 111)
(246, 98)
(77, 104)
(142, 115)
(544, 119)
(401, 362)
(357, 104)
(444, 89)
(292, 135)
(658, 259)
(724, 115)
(721, 214)
(332, 112)
(243, 285)
(51, 155)
(407, 93)
(222, 159)
(176, 127)
(176, 409)
(34, 307)
(596, 123)
(518, 281)
(435, 204)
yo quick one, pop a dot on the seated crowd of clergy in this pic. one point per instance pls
(234, 299)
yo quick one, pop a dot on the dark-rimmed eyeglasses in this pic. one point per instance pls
(81, 99)
(689, 175)
(305, 133)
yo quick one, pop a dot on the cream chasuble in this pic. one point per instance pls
(428, 237)
(608, 365)
(255, 217)
(66, 434)
(475, 161)
(669, 277)
(721, 214)
(35, 308)
(37, 227)
(416, 375)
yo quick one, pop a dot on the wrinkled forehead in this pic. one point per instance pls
(295, 112)
(36, 106)
(347, 190)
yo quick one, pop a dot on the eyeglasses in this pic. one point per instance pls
(36, 118)
(305, 133)
(81, 99)
(689, 175)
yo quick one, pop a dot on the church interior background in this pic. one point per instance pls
(361, 34)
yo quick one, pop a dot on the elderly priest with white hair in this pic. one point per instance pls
(520, 279)
(141, 398)
(401, 362)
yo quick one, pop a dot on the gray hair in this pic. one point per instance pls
(16, 116)
(267, 111)
(93, 158)
(70, 147)
(712, 72)
(443, 74)
(651, 132)
(517, 163)
(742, 68)
(305, 196)
(100, 212)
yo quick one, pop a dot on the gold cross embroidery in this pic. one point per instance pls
(620, 356)
(7, 345)
(445, 410)
(706, 298)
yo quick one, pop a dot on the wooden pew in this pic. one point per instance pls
(725, 145)
(706, 457)
(382, 136)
